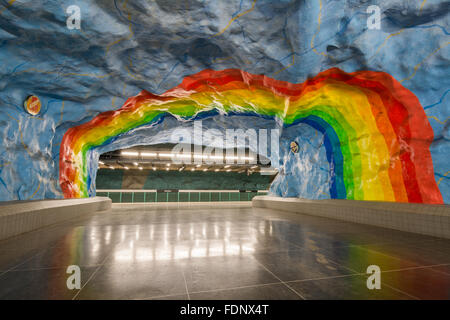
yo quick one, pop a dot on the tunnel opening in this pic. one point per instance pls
(157, 173)
(375, 135)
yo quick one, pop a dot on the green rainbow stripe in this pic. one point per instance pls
(377, 135)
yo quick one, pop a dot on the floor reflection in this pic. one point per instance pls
(135, 253)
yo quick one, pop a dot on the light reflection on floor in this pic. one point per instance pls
(242, 253)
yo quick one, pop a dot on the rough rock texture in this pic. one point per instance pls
(125, 46)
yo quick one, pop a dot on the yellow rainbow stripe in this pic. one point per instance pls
(377, 135)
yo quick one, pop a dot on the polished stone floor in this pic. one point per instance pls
(139, 252)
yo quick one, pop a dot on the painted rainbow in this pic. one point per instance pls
(377, 135)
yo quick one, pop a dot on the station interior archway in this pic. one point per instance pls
(338, 163)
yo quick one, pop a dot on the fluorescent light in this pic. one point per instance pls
(112, 168)
(228, 170)
(199, 156)
(136, 164)
(198, 166)
(216, 157)
(167, 169)
(248, 158)
(130, 153)
(148, 154)
(166, 155)
(168, 164)
(185, 156)
(126, 168)
(181, 169)
(193, 169)
(227, 166)
(231, 158)
(205, 170)
(140, 168)
(154, 169)
(216, 170)
(101, 162)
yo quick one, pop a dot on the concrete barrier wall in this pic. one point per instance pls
(18, 217)
(433, 220)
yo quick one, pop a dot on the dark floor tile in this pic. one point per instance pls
(78, 253)
(299, 265)
(265, 292)
(442, 269)
(436, 245)
(44, 284)
(423, 283)
(358, 258)
(423, 254)
(225, 272)
(345, 288)
(156, 253)
(308, 240)
(11, 259)
(134, 281)
(191, 249)
(172, 297)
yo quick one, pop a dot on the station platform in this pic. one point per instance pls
(145, 252)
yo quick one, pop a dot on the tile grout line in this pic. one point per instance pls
(288, 286)
(401, 291)
(441, 272)
(158, 297)
(389, 256)
(417, 266)
(185, 285)
(326, 278)
(362, 273)
(221, 289)
(384, 284)
(92, 275)
(284, 241)
(302, 280)
(393, 288)
(53, 268)
(236, 288)
(21, 263)
(361, 245)
(343, 223)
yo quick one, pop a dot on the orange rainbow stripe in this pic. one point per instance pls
(377, 135)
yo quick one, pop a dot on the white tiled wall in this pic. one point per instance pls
(433, 220)
(17, 218)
